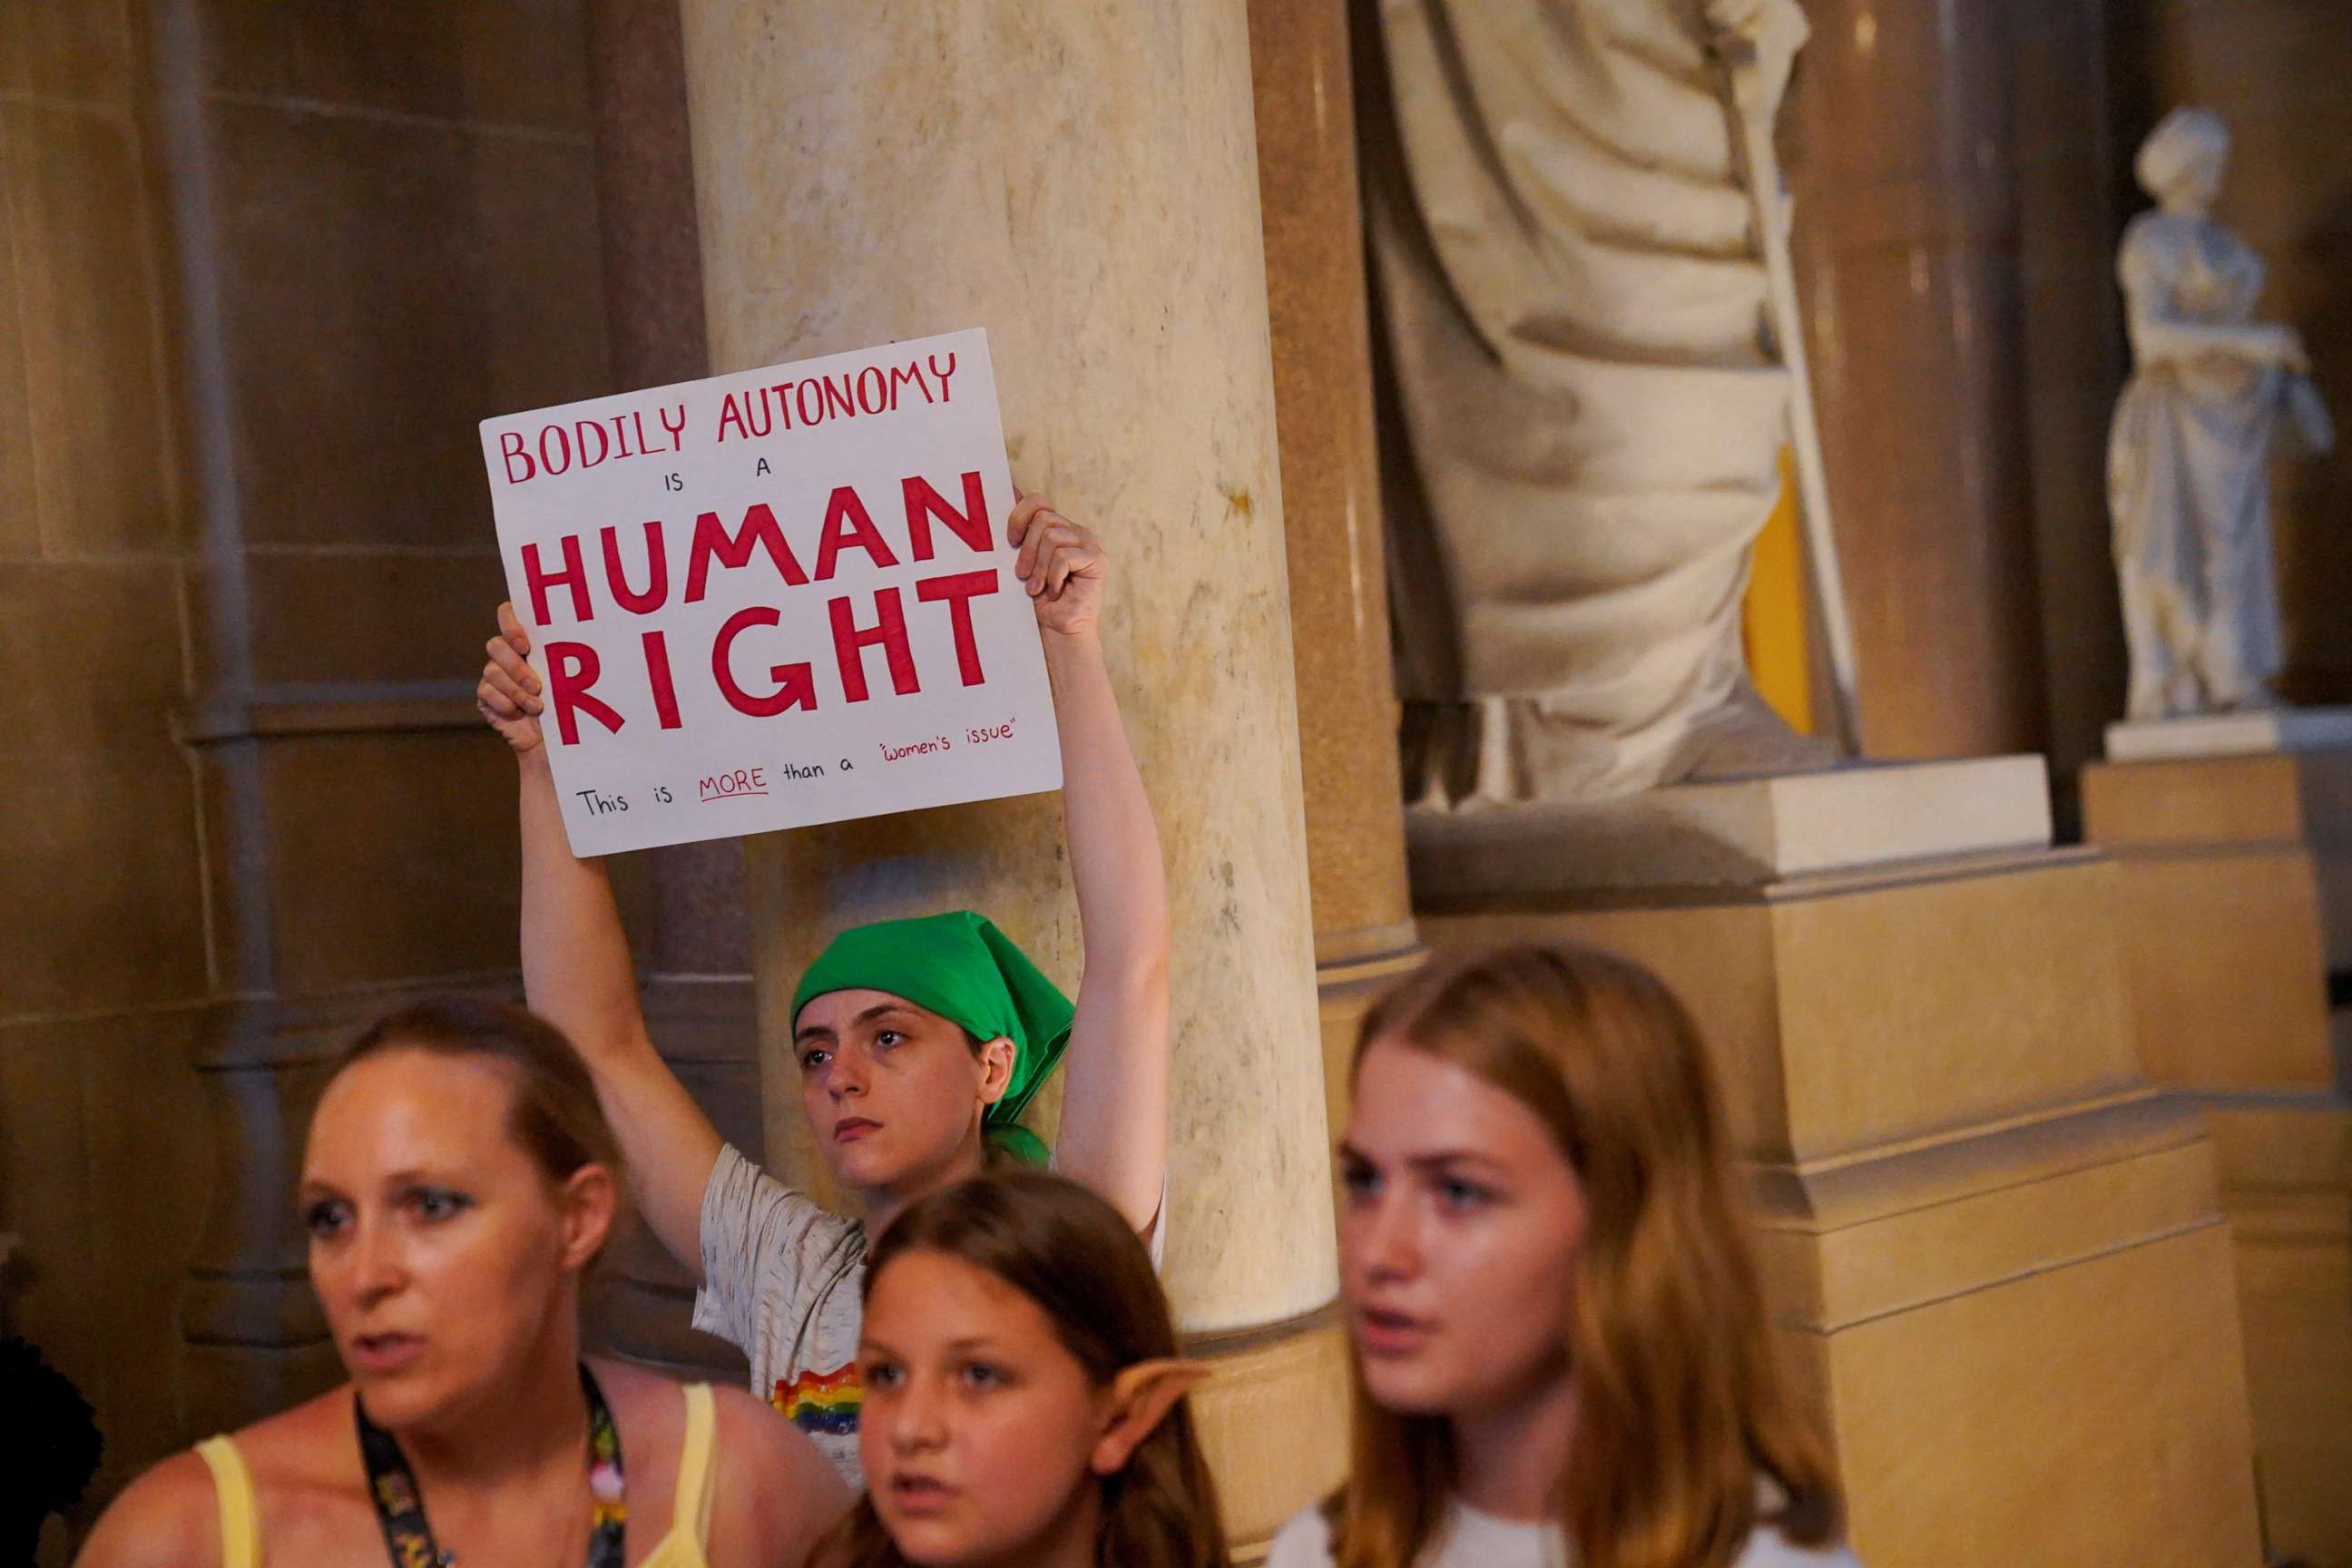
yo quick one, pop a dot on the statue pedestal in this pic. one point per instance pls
(2237, 875)
(2250, 732)
(1744, 833)
(1996, 1251)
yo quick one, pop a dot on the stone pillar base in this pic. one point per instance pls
(1996, 1251)
(2237, 806)
(254, 1339)
(2250, 732)
(2224, 862)
(1349, 975)
(1274, 1419)
(230, 1386)
(1735, 832)
(2286, 1183)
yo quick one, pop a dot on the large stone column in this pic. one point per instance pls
(1911, 244)
(684, 903)
(1321, 330)
(380, 229)
(1081, 181)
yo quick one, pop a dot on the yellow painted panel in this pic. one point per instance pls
(1772, 618)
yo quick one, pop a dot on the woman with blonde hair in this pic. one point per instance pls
(1562, 1352)
(458, 1182)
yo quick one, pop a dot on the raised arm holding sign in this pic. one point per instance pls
(896, 1093)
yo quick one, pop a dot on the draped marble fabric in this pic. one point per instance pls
(1575, 316)
(2189, 469)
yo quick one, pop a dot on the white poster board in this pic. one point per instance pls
(776, 597)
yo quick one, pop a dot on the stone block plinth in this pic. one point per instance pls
(2257, 732)
(1742, 832)
(2235, 870)
(2258, 802)
(1997, 1250)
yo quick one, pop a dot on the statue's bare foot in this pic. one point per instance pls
(1512, 751)
(2261, 699)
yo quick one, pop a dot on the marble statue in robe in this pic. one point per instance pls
(2188, 455)
(1573, 308)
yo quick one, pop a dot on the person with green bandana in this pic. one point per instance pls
(918, 1042)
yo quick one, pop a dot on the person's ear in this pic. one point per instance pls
(997, 1059)
(591, 1203)
(1140, 1398)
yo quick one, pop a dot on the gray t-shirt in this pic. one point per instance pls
(780, 1278)
(783, 1279)
(1470, 1539)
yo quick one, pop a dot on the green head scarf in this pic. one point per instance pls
(969, 972)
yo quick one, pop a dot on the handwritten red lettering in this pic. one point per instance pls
(656, 648)
(585, 443)
(572, 668)
(795, 684)
(574, 577)
(711, 539)
(959, 590)
(846, 523)
(581, 432)
(737, 786)
(924, 503)
(912, 376)
(511, 447)
(740, 416)
(656, 568)
(850, 643)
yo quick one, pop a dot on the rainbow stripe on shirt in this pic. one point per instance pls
(822, 1401)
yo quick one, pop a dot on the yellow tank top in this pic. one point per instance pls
(689, 1519)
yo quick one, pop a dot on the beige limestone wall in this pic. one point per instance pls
(262, 268)
(1996, 1251)
(102, 959)
(1081, 182)
(385, 226)
(2222, 926)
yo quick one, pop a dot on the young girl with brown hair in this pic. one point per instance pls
(1562, 1352)
(1024, 1402)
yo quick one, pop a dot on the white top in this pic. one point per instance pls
(1470, 1539)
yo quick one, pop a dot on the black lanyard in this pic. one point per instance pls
(400, 1508)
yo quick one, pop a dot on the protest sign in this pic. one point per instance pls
(775, 597)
